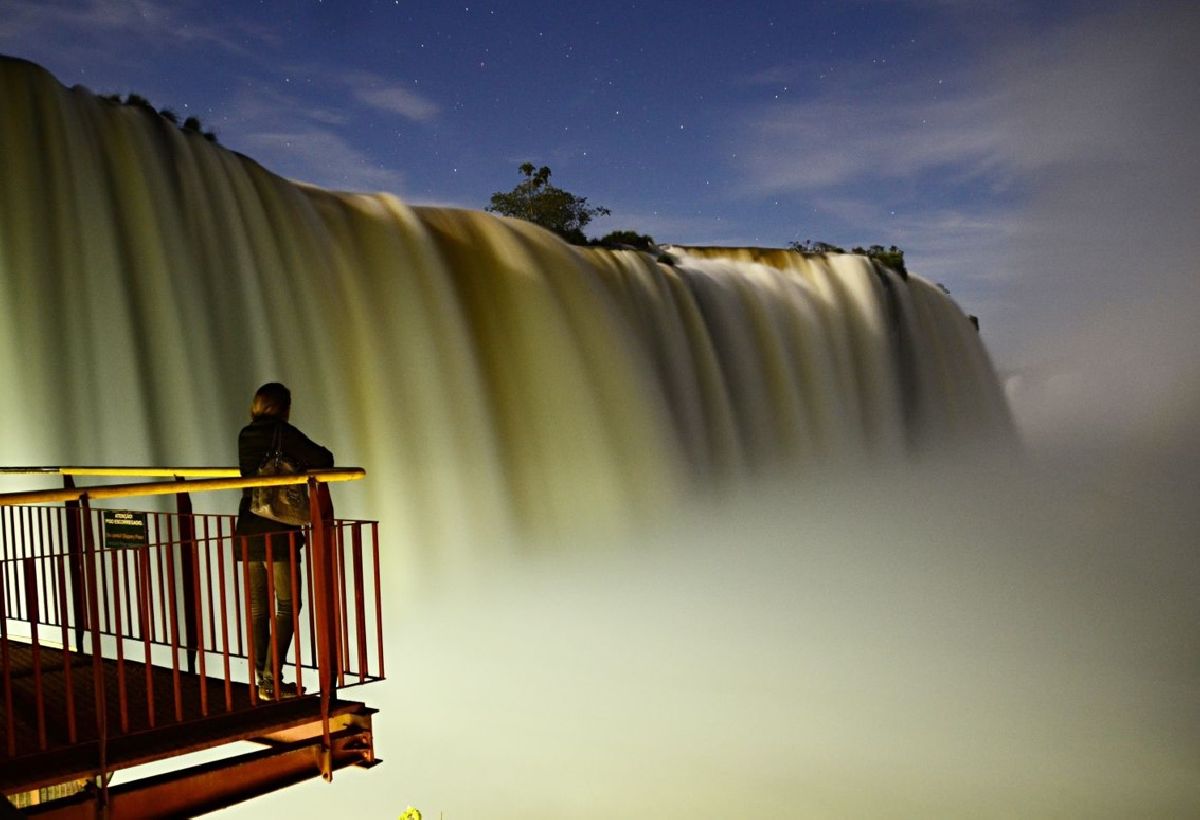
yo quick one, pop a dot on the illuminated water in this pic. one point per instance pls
(489, 377)
(837, 634)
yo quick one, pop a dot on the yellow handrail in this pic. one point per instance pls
(129, 472)
(174, 487)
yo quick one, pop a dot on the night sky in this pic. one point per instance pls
(1000, 143)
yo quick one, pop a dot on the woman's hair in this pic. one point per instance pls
(272, 399)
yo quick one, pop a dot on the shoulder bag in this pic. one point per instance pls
(286, 504)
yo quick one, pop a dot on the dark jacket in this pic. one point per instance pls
(253, 443)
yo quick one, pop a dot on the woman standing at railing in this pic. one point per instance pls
(268, 429)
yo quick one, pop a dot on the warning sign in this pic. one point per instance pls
(124, 529)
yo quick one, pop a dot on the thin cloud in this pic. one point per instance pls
(319, 145)
(1028, 107)
(1104, 119)
(776, 75)
(396, 99)
(828, 143)
(389, 96)
(255, 109)
(152, 22)
(316, 148)
(30, 16)
(322, 157)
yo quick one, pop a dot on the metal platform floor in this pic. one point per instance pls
(46, 754)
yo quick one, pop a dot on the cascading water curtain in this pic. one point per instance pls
(494, 381)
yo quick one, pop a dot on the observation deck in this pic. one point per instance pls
(125, 640)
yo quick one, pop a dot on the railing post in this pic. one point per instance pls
(29, 565)
(360, 614)
(93, 605)
(187, 541)
(323, 607)
(5, 663)
(75, 563)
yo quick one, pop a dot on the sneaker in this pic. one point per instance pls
(267, 690)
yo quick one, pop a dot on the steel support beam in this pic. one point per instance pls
(223, 783)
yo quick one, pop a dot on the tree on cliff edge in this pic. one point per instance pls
(536, 200)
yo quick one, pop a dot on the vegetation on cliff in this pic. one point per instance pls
(891, 256)
(190, 125)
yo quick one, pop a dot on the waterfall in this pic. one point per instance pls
(954, 641)
(492, 379)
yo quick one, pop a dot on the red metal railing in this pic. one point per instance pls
(99, 641)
